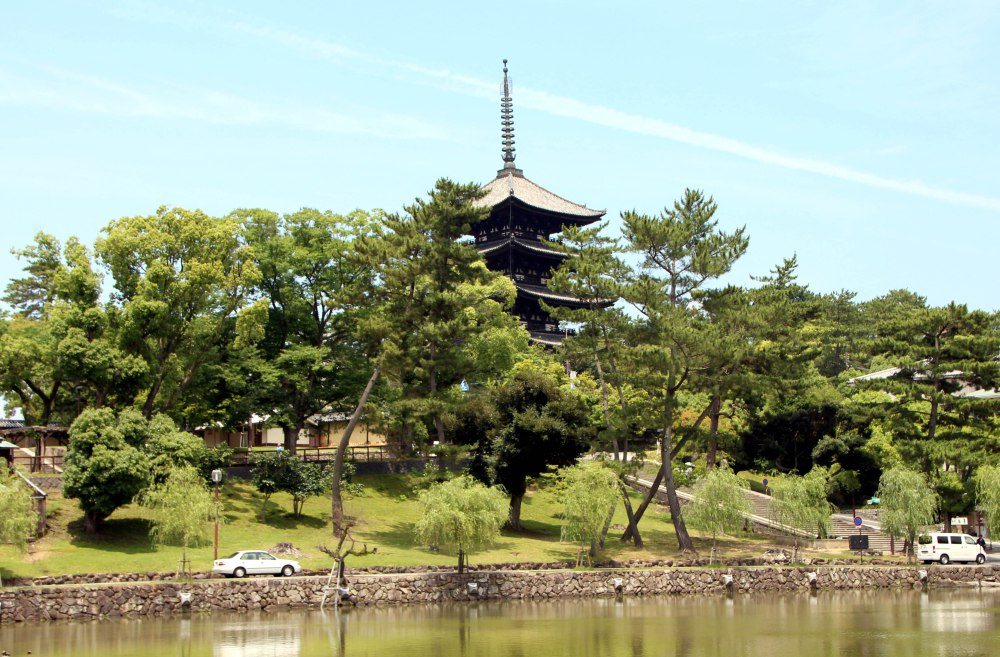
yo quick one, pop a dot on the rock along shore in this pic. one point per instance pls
(104, 600)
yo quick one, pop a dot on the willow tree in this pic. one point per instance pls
(19, 518)
(720, 503)
(461, 513)
(182, 511)
(801, 503)
(681, 250)
(591, 489)
(987, 480)
(908, 504)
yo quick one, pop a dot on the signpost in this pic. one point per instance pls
(859, 542)
(764, 482)
(216, 479)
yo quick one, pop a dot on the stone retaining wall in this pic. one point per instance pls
(778, 557)
(153, 598)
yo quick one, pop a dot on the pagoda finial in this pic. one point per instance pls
(507, 122)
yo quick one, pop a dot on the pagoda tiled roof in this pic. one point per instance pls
(545, 293)
(508, 184)
(492, 246)
(550, 339)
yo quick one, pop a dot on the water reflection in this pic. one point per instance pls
(859, 623)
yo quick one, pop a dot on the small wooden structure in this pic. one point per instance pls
(7, 452)
(34, 443)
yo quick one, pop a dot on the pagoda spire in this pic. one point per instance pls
(507, 126)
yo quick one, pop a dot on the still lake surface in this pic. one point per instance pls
(881, 623)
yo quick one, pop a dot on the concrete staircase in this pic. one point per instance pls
(763, 516)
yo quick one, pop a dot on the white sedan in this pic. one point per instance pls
(254, 562)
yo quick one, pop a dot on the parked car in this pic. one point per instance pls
(255, 562)
(946, 548)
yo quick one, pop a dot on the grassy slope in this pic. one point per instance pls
(385, 514)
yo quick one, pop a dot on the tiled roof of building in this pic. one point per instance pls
(508, 184)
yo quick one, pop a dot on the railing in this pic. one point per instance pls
(35, 463)
(40, 499)
(356, 453)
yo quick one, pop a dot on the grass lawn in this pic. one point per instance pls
(384, 513)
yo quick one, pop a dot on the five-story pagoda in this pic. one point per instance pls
(522, 214)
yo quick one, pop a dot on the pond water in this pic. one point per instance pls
(883, 623)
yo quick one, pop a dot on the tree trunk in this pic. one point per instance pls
(683, 538)
(607, 524)
(291, 438)
(633, 527)
(650, 494)
(659, 476)
(607, 415)
(432, 385)
(92, 521)
(336, 500)
(514, 520)
(713, 431)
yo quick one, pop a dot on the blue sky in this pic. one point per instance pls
(862, 136)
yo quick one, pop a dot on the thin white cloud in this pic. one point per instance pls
(62, 89)
(612, 118)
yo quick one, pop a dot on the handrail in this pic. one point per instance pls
(30, 484)
(761, 520)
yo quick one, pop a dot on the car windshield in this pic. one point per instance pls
(233, 555)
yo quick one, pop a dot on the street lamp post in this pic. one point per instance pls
(216, 479)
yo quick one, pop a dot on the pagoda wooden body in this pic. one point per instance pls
(522, 215)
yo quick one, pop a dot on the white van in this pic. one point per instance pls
(949, 547)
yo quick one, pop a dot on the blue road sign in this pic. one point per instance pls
(764, 481)
(857, 521)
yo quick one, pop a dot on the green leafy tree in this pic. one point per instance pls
(461, 513)
(169, 448)
(591, 489)
(720, 503)
(987, 481)
(681, 250)
(58, 353)
(310, 480)
(908, 503)
(273, 472)
(801, 503)
(179, 278)
(19, 518)
(105, 465)
(539, 424)
(311, 291)
(182, 511)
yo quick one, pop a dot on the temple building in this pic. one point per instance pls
(522, 214)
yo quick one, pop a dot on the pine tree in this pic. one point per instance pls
(682, 249)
